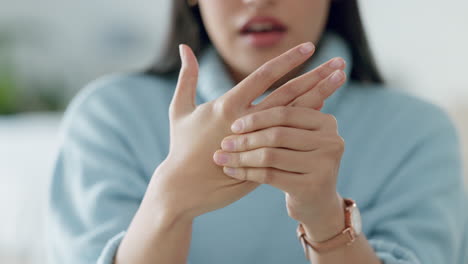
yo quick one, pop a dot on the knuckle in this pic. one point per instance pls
(323, 72)
(265, 72)
(290, 89)
(267, 176)
(340, 144)
(323, 89)
(267, 157)
(276, 135)
(341, 140)
(292, 212)
(221, 107)
(244, 142)
(282, 113)
(333, 123)
(329, 120)
(239, 159)
(251, 120)
(337, 144)
(244, 174)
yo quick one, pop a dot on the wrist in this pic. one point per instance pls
(159, 199)
(327, 223)
(164, 217)
(155, 234)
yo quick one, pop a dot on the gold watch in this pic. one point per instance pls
(347, 236)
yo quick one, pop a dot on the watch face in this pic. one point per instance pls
(356, 220)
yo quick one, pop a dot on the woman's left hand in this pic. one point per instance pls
(295, 149)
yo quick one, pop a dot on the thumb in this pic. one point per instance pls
(183, 101)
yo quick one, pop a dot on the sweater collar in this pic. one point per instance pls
(214, 79)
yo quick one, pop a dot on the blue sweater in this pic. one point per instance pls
(402, 165)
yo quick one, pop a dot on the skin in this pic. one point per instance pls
(304, 19)
(223, 149)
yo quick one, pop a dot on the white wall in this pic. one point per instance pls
(421, 46)
(80, 40)
(27, 148)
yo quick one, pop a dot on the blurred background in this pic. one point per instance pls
(50, 49)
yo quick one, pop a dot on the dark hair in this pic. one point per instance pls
(344, 19)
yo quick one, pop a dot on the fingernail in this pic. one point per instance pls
(336, 63)
(227, 145)
(336, 77)
(230, 171)
(306, 48)
(237, 126)
(221, 158)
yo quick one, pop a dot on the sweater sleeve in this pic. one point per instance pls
(97, 183)
(420, 212)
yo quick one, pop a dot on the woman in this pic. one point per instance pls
(241, 155)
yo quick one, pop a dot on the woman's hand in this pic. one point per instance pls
(188, 182)
(295, 149)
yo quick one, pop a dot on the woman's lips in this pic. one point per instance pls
(263, 39)
(274, 31)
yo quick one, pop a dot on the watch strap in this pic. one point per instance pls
(345, 237)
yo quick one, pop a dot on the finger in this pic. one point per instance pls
(297, 87)
(275, 137)
(298, 117)
(260, 80)
(320, 107)
(183, 100)
(283, 159)
(282, 180)
(324, 89)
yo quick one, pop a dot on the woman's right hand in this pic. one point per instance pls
(188, 183)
